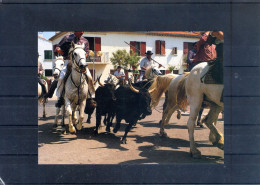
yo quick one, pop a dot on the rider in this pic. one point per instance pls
(63, 49)
(40, 81)
(145, 63)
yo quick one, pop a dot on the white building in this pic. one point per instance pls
(169, 48)
(46, 54)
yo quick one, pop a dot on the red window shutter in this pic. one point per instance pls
(157, 47)
(143, 48)
(97, 44)
(162, 47)
(185, 48)
(132, 46)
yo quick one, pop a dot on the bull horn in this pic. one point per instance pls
(132, 88)
(100, 82)
(150, 91)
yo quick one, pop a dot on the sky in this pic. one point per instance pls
(48, 35)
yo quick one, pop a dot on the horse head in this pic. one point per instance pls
(78, 57)
(152, 72)
(58, 66)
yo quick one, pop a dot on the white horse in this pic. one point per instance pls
(112, 79)
(188, 89)
(58, 66)
(76, 87)
(41, 99)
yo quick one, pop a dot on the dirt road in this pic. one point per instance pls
(144, 145)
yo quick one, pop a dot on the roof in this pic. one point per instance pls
(43, 38)
(175, 33)
(161, 33)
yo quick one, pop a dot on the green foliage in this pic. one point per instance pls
(133, 59)
(119, 58)
(185, 57)
(171, 68)
(44, 77)
(124, 59)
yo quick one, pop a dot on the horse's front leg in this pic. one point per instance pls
(44, 112)
(81, 114)
(56, 117)
(69, 112)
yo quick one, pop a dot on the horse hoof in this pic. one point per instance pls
(44, 116)
(196, 155)
(178, 116)
(115, 130)
(88, 121)
(160, 122)
(72, 130)
(163, 134)
(79, 126)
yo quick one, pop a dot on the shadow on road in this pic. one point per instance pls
(49, 135)
(152, 155)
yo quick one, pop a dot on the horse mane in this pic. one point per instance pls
(160, 84)
(59, 58)
(182, 100)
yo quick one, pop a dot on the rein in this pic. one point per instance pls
(77, 69)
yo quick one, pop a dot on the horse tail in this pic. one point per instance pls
(182, 100)
(160, 86)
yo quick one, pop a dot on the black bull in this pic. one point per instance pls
(124, 103)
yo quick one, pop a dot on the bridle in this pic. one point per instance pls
(76, 63)
(58, 68)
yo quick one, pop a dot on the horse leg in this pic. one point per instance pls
(89, 117)
(195, 104)
(81, 114)
(216, 137)
(44, 113)
(56, 117)
(69, 112)
(167, 113)
(199, 117)
(63, 116)
(178, 114)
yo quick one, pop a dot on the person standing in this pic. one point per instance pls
(120, 75)
(190, 57)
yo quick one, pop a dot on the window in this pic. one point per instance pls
(174, 51)
(48, 54)
(138, 47)
(48, 72)
(160, 47)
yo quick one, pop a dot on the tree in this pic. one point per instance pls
(124, 59)
(119, 58)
